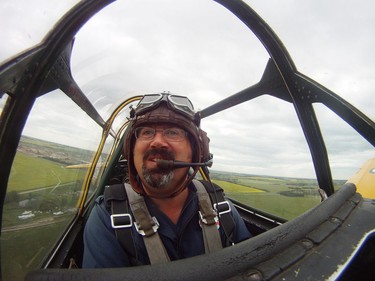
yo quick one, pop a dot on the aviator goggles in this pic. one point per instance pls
(179, 104)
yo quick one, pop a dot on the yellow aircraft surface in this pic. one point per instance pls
(364, 179)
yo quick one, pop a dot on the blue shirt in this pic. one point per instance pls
(181, 240)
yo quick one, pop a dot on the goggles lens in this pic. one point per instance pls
(179, 103)
(182, 102)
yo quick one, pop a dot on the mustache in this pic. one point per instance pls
(160, 152)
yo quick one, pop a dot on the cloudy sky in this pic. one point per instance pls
(199, 49)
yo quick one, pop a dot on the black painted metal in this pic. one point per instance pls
(230, 262)
(22, 79)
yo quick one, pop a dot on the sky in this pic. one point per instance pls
(199, 49)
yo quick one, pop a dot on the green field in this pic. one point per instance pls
(233, 188)
(30, 173)
(23, 250)
(41, 201)
(283, 197)
(40, 185)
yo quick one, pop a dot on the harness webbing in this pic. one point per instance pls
(209, 220)
(222, 209)
(118, 196)
(147, 226)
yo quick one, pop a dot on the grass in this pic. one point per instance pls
(48, 188)
(283, 197)
(24, 250)
(30, 173)
(273, 203)
(40, 185)
(230, 187)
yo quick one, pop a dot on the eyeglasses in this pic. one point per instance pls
(179, 103)
(169, 134)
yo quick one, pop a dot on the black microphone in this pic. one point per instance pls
(171, 164)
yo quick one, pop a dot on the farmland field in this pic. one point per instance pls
(41, 201)
(283, 197)
(30, 173)
(43, 195)
(25, 249)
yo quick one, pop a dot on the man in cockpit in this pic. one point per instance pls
(161, 214)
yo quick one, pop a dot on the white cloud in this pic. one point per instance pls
(199, 49)
(24, 23)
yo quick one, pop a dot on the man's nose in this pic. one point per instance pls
(158, 140)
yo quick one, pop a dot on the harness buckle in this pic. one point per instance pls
(222, 208)
(121, 220)
(208, 220)
(149, 231)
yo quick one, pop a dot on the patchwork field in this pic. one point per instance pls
(283, 197)
(30, 172)
(43, 195)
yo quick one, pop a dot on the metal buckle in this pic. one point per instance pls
(204, 220)
(141, 231)
(128, 223)
(227, 210)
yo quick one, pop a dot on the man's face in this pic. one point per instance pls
(146, 152)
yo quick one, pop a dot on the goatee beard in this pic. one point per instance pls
(158, 178)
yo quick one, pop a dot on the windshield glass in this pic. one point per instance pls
(201, 50)
(24, 24)
(208, 54)
(331, 42)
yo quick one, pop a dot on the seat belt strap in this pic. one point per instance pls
(147, 226)
(208, 220)
(223, 210)
(121, 219)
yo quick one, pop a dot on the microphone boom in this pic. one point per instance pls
(171, 164)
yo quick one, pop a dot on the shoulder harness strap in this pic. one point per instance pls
(116, 200)
(147, 226)
(222, 208)
(118, 197)
(211, 212)
(208, 220)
